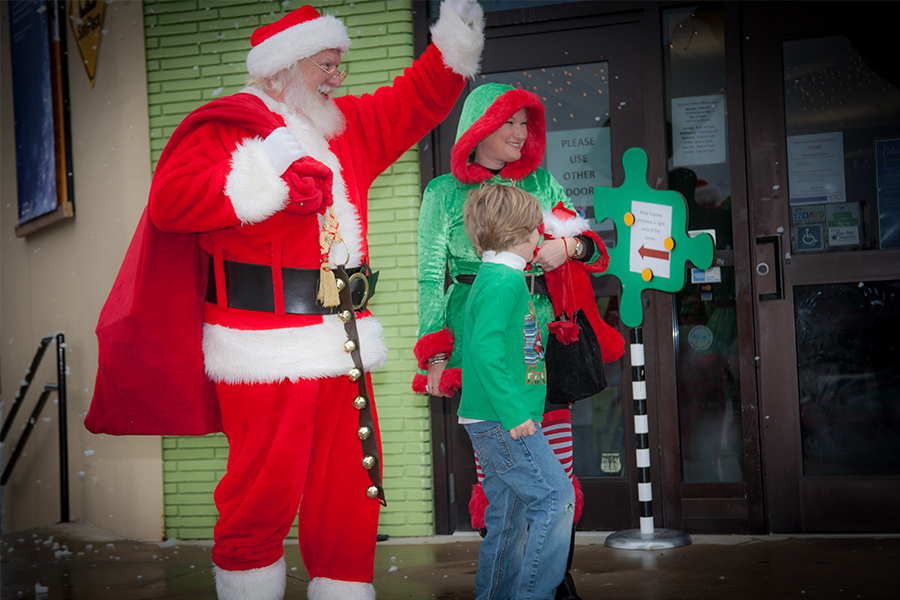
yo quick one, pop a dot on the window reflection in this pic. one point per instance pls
(842, 121)
(705, 313)
(696, 113)
(849, 379)
(598, 434)
(709, 393)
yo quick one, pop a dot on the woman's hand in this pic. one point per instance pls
(526, 428)
(433, 386)
(551, 254)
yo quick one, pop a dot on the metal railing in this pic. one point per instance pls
(60, 388)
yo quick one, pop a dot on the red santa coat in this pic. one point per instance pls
(214, 189)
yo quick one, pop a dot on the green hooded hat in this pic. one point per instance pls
(486, 109)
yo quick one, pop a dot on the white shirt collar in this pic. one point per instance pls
(507, 258)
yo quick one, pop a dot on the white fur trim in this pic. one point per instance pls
(265, 583)
(256, 190)
(296, 43)
(322, 588)
(317, 147)
(347, 216)
(570, 227)
(460, 44)
(266, 356)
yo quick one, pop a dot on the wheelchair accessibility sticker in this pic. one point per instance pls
(809, 237)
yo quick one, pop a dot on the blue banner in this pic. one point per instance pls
(887, 172)
(33, 106)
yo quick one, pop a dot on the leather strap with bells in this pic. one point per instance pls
(362, 402)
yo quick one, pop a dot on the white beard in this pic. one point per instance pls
(323, 116)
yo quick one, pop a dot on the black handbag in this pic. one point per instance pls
(574, 370)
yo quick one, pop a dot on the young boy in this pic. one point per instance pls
(531, 499)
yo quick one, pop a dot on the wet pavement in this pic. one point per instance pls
(77, 561)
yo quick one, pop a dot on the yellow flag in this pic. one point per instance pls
(86, 19)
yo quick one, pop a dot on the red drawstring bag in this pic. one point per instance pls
(570, 289)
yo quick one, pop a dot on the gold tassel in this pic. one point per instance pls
(328, 292)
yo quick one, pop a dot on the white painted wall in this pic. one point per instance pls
(57, 279)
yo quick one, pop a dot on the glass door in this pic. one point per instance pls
(823, 138)
(715, 486)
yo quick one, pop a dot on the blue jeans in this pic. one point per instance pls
(528, 518)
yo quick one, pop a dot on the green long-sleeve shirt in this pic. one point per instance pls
(503, 372)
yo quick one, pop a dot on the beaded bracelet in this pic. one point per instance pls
(440, 357)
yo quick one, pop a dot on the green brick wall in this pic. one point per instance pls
(196, 51)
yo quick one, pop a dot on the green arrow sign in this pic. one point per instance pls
(652, 245)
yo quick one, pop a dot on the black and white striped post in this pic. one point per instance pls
(647, 537)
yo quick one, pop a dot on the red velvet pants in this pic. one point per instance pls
(295, 445)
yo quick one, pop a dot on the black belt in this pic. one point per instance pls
(250, 287)
(536, 283)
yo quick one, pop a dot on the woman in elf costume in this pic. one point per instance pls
(500, 139)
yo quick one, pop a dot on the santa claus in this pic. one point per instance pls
(241, 304)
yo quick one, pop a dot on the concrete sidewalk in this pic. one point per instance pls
(78, 561)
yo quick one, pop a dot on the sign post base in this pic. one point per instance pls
(659, 539)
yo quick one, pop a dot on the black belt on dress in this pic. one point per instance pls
(250, 287)
(536, 283)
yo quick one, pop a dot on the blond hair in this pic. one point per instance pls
(497, 217)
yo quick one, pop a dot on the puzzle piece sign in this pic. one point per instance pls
(652, 241)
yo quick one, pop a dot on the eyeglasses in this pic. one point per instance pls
(332, 72)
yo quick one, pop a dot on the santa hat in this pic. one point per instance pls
(297, 35)
(707, 195)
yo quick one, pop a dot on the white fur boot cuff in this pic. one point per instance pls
(322, 588)
(265, 583)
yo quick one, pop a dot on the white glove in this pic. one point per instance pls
(466, 9)
(283, 149)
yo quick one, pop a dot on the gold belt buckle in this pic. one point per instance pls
(530, 277)
(359, 275)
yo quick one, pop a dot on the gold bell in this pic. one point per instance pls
(349, 346)
(359, 402)
(364, 433)
(368, 461)
(339, 283)
(344, 316)
(372, 492)
(354, 374)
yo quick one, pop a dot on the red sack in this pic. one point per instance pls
(151, 379)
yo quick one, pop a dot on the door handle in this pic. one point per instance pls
(762, 268)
